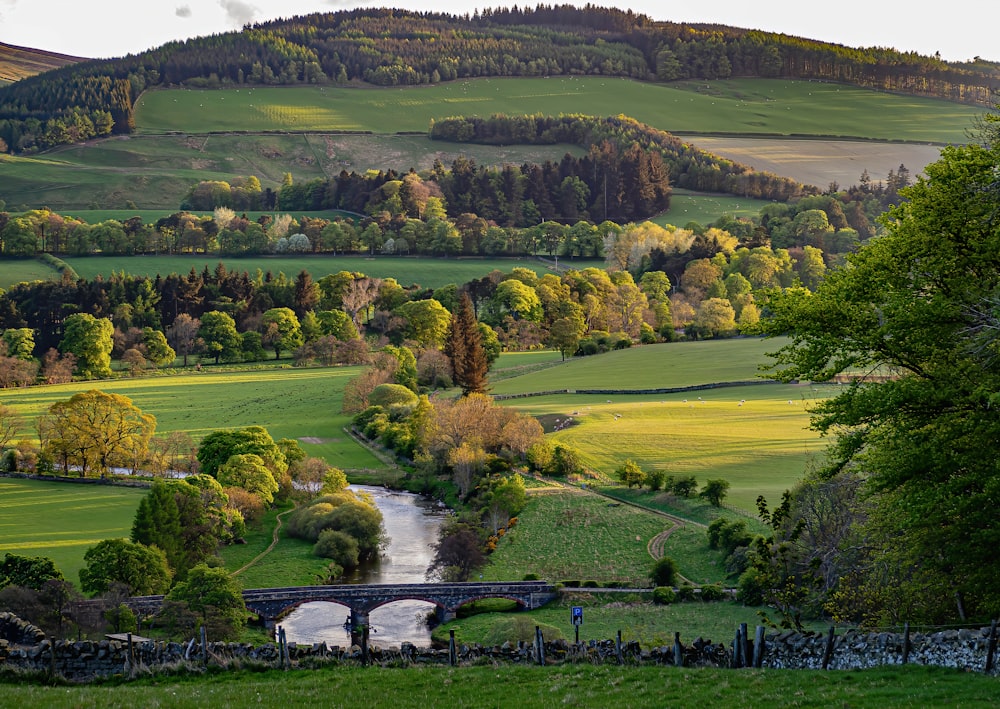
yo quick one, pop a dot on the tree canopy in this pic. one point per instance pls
(913, 323)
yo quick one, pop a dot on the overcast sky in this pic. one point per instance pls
(959, 29)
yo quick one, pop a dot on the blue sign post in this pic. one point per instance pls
(576, 616)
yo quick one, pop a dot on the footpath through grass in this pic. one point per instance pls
(530, 686)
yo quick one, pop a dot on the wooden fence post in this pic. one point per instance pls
(828, 652)
(758, 647)
(618, 649)
(452, 657)
(906, 642)
(744, 645)
(737, 651)
(991, 648)
(678, 651)
(540, 645)
(204, 646)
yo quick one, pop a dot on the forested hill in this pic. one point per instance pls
(18, 63)
(388, 47)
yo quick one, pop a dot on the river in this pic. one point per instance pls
(412, 524)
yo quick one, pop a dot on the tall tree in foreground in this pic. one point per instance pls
(464, 348)
(915, 317)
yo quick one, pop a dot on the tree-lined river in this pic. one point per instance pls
(412, 524)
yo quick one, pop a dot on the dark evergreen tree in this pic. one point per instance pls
(464, 347)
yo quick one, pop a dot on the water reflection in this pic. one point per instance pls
(412, 525)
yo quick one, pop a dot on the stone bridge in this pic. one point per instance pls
(270, 604)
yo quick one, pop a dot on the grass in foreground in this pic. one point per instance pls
(63, 520)
(571, 685)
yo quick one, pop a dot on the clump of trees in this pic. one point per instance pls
(896, 526)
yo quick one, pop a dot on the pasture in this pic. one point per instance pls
(737, 106)
(659, 366)
(63, 520)
(426, 272)
(761, 447)
(289, 403)
(573, 534)
(584, 685)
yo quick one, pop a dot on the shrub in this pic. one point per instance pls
(663, 572)
(750, 589)
(531, 577)
(663, 595)
(685, 592)
(590, 583)
(712, 592)
(338, 546)
(683, 487)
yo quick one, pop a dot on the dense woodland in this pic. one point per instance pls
(392, 47)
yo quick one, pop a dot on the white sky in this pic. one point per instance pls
(959, 29)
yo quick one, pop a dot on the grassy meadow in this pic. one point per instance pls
(736, 106)
(288, 402)
(426, 272)
(63, 520)
(573, 534)
(583, 685)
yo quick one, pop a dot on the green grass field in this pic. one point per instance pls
(63, 520)
(572, 534)
(155, 172)
(289, 403)
(732, 106)
(582, 685)
(427, 272)
(653, 367)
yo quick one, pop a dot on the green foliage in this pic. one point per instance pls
(249, 472)
(664, 595)
(919, 432)
(90, 339)
(712, 592)
(715, 491)
(215, 597)
(663, 572)
(630, 473)
(656, 479)
(140, 569)
(338, 546)
(27, 571)
(219, 446)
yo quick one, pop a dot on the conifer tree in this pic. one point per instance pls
(464, 347)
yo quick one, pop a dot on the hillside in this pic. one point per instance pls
(384, 47)
(18, 63)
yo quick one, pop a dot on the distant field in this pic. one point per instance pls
(63, 520)
(705, 208)
(154, 169)
(155, 172)
(289, 403)
(652, 367)
(820, 162)
(15, 271)
(775, 106)
(763, 446)
(427, 272)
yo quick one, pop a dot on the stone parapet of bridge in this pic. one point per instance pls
(272, 603)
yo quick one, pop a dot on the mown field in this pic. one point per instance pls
(753, 106)
(154, 170)
(419, 687)
(288, 402)
(63, 520)
(426, 272)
